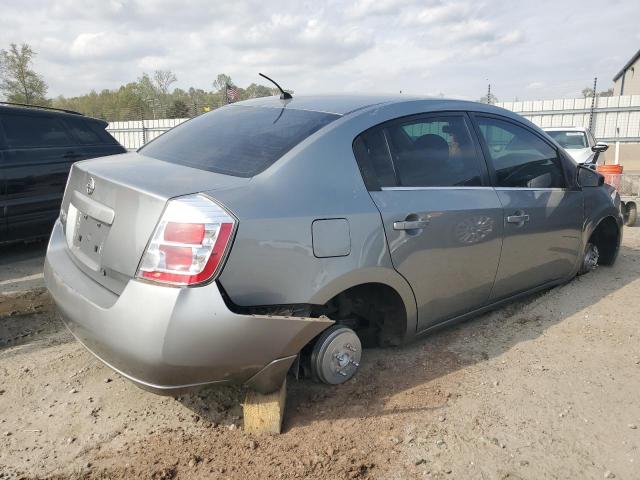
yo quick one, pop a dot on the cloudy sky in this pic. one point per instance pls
(527, 49)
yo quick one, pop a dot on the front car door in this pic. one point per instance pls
(442, 220)
(543, 208)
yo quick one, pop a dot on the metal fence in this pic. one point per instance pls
(133, 134)
(615, 119)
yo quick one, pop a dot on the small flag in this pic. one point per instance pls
(232, 93)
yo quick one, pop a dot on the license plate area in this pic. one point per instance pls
(86, 238)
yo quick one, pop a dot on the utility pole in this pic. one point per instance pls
(593, 103)
(489, 94)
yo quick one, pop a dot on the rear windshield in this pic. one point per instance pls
(237, 140)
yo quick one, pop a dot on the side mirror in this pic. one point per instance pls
(589, 178)
(600, 147)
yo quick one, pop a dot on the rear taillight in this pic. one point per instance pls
(190, 242)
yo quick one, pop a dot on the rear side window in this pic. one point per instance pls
(23, 131)
(100, 130)
(520, 158)
(433, 151)
(82, 131)
(237, 140)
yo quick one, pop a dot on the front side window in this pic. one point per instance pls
(520, 158)
(24, 131)
(434, 151)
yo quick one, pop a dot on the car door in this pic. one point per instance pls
(39, 155)
(543, 210)
(442, 220)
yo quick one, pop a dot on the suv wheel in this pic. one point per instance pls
(590, 259)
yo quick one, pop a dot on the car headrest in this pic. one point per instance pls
(434, 145)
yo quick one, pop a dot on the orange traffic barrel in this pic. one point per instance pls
(610, 169)
(611, 174)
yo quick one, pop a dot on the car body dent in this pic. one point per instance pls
(165, 339)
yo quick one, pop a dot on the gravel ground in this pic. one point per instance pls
(543, 388)
(21, 267)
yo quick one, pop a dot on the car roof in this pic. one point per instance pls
(564, 129)
(339, 104)
(36, 110)
(344, 104)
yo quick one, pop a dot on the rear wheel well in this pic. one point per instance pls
(374, 310)
(606, 237)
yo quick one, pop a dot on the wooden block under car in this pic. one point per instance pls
(263, 413)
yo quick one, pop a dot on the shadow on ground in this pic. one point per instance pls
(416, 368)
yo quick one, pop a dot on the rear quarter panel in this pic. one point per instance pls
(272, 260)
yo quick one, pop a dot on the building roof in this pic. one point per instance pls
(627, 65)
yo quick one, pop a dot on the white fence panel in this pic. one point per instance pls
(614, 118)
(134, 134)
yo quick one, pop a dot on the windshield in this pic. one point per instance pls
(237, 140)
(569, 139)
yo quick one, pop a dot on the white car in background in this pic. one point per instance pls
(578, 142)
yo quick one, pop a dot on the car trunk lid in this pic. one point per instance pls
(112, 206)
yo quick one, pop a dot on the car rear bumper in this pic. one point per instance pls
(167, 339)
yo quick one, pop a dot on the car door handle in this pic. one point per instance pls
(520, 218)
(410, 224)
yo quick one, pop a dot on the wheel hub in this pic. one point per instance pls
(591, 257)
(336, 355)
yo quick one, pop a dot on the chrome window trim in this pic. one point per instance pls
(554, 189)
(504, 189)
(435, 188)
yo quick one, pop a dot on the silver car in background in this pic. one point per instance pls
(276, 233)
(578, 142)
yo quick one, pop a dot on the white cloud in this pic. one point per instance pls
(418, 46)
(438, 14)
(368, 8)
(92, 46)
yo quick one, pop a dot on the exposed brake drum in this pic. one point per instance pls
(336, 355)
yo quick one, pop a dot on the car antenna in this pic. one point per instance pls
(283, 95)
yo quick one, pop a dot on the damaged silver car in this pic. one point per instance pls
(291, 232)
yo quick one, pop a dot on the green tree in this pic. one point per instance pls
(255, 91)
(221, 82)
(18, 81)
(163, 79)
(150, 96)
(178, 109)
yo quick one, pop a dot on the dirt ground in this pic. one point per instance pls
(548, 387)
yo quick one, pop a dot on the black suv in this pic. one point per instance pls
(37, 148)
